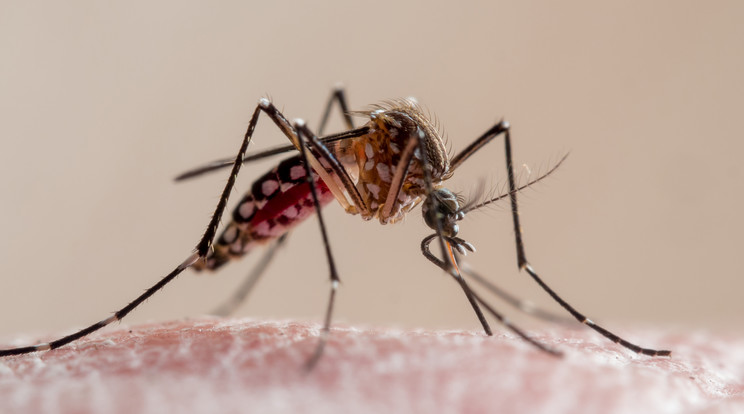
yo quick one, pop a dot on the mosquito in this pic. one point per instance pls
(381, 170)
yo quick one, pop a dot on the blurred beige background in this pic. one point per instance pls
(101, 105)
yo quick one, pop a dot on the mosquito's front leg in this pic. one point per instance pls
(501, 318)
(438, 209)
(503, 128)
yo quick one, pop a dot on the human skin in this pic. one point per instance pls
(230, 365)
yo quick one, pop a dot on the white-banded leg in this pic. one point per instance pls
(501, 318)
(304, 133)
(111, 319)
(202, 249)
(520, 304)
(338, 95)
(503, 128)
(523, 305)
(449, 265)
(241, 294)
(320, 158)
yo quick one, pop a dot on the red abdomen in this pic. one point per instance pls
(277, 201)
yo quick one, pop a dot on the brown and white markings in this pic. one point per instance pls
(381, 170)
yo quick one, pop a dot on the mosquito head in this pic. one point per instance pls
(442, 205)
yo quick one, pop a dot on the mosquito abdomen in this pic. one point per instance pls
(276, 202)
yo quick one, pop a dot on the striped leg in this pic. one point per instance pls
(231, 304)
(501, 318)
(432, 203)
(503, 128)
(521, 304)
(202, 248)
(338, 95)
(524, 264)
(304, 133)
(96, 326)
(201, 253)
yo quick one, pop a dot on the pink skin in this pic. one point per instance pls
(227, 365)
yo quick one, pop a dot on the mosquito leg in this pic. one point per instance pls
(501, 318)
(320, 145)
(338, 95)
(227, 162)
(202, 249)
(450, 267)
(303, 131)
(96, 326)
(476, 145)
(228, 307)
(503, 127)
(472, 298)
(514, 328)
(292, 134)
(316, 164)
(396, 183)
(522, 305)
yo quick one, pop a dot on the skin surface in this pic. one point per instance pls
(229, 365)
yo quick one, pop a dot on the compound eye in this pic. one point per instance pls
(448, 199)
(453, 230)
(442, 206)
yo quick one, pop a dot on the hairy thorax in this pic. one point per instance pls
(393, 127)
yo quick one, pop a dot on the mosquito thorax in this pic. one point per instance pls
(441, 206)
(403, 119)
(393, 127)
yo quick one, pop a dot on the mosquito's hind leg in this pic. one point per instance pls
(202, 250)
